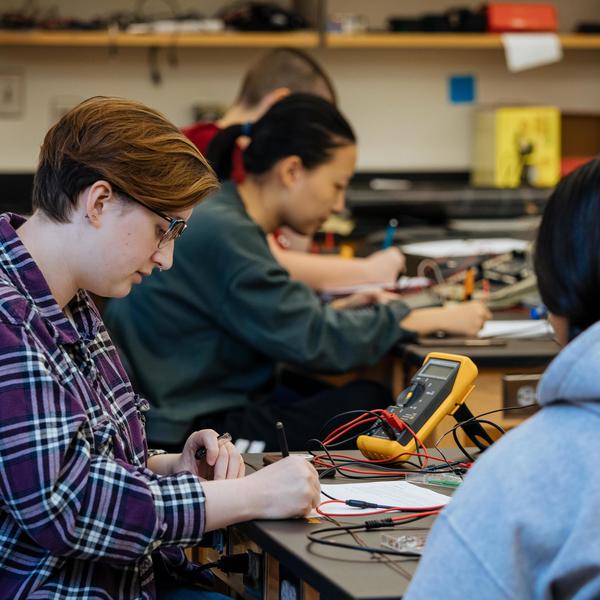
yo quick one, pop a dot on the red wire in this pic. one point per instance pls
(377, 461)
(342, 429)
(423, 514)
(364, 418)
(317, 461)
(374, 461)
(425, 511)
(361, 420)
(352, 422)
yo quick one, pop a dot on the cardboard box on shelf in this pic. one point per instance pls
(580, 139)
(516, 146)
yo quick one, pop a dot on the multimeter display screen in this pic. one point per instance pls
(433, 370)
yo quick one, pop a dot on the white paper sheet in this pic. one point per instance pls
(529, 50)
(389, 493)
(525, 328)
(470, 247)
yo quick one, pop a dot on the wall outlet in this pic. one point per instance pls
(520, 391)
(11, 93)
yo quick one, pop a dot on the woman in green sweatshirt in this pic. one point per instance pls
(203, 340)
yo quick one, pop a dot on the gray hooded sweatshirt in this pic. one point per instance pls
(526, 521)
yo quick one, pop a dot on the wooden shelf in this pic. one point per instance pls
(299, 39)
(228, 39)
(457, 41)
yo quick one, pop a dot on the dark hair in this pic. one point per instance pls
(299, 125)
(133, 147)
(284, 67)
(567, 254)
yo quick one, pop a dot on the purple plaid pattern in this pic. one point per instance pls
(80, 513)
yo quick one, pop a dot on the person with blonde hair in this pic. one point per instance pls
(87, 509)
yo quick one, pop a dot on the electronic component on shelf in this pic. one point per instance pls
(439, 388)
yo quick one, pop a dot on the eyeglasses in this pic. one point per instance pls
(176, 225)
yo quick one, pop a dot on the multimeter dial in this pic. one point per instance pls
(429, 388)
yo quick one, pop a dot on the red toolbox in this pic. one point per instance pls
(521, 17)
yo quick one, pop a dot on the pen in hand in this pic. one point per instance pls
(283, 445)
(201, 452)
(388, 240)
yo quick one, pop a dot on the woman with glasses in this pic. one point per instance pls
(524, 524)
(211, 352)
(87, 510)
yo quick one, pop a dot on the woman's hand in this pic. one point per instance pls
(222, 460)
(465, 318)
(384, 266)
(287, 488)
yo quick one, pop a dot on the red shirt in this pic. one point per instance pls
(201, 134)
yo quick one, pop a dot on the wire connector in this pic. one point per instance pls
(361, 504)
(378, 524)
(392, 421)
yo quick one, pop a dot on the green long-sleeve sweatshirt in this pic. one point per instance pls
(206, 335)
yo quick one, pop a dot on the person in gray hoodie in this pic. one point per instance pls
(526, 521)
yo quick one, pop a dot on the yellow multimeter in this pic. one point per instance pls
(439, 388)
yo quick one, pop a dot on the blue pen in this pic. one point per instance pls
(388, 240)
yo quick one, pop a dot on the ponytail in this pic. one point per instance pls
(300, 125)
(221, 148)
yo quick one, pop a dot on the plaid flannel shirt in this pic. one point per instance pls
(80, 513)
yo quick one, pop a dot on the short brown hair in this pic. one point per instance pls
(285, 67)
(133, 147)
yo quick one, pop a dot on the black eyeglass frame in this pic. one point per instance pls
(176, 225)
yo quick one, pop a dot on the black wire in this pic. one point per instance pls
(337, 465)
(492, 424)
(476, 418)
(484, 414)
(460, 446)
(347, 529)
(458, 472)
(480, 421)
